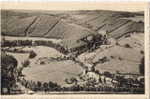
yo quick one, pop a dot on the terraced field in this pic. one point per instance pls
(51, 24)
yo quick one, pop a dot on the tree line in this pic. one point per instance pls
(8, 43)
(51, 86)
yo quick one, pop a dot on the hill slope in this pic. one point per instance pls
(54, 25)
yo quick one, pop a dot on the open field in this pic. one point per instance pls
(47, 72)
(54, 71)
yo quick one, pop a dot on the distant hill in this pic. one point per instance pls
(69, 25)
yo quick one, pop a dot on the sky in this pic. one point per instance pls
(117, 6)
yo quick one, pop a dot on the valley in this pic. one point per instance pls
(76, 50)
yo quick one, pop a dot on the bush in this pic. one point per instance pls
(26, 63)
(104, 59)
(107, 74)
(112, 57)
(117, 43)
(120, 58)
(127, 46)
(97, 71)
(32, 54)
(142, 52)
(127, 36)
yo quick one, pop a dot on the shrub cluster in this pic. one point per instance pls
(51, 86)
(40, 86)
(16, 43)
(127, 46)
(32, 54)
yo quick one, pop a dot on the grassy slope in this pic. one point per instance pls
(128, 63)
(56, 71)
(124, 59)
(120, 58)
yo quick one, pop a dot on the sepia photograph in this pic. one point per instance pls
(98, 51)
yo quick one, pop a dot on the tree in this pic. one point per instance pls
(39, 85)
(19, 70)
(142, 52)
(32, 54)
(26, 63)
(142, 66)
(107, 74)
(45, 86)
(8, 72)
(127, 46)
(53, 86)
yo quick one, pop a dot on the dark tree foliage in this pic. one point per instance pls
(127, 46)
(141, 66)
(8, 72)
(45, 86)
(17, 43)
(32, 54)
(7, 43)
(107, 74)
